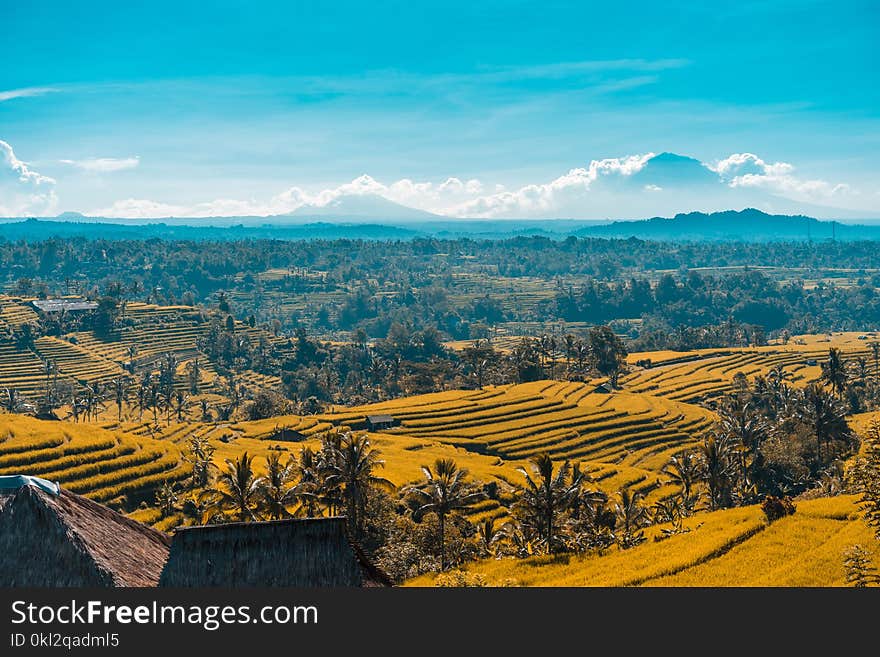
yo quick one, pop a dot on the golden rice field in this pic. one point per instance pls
(703, 375)
(104, 465)
(622, 439)
(733, 547)
(148, 333)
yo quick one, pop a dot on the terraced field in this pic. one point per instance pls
(105, 466)
(149, 332)
(566, 420)
(75, 361)
(21, 370)
(734, 547)
(703, 375)
(14, 312)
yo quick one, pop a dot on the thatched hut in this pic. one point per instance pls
(51, 537)
(380, 422)
(292, 553)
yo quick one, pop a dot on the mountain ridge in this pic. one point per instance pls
(747, 225)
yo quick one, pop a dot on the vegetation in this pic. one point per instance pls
(549, 412)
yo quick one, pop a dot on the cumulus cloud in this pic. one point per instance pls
(26, 92)
(748, 171)
(104, 164)
(567, 195)
(631, 186)
(429, 196)
(22, 190)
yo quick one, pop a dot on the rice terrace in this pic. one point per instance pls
(499, 295)
(146, 417)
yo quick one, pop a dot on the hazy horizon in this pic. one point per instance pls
(276, 109)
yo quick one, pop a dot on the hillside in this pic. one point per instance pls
(733, 547)
(747, 225)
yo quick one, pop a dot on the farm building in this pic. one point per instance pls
(295, 553)
(380, 422)
(286, 434)
(50, 537)
(49, 306)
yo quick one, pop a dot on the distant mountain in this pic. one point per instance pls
(748, 225)
(97, 228)
(669, 170)
(360, 207)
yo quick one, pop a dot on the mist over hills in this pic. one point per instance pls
(748, 225)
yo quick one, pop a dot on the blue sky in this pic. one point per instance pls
(530, 108)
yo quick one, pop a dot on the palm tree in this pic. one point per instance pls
(308, 490)
(120, 388)
(443, 491)
(684, 471)
(825, 416)
(545, 496)
(746, 429)
(834, 371)
(166, 499)
(278, 491)
(238, 490)
(353, 472)
(631, 515)
(716, 469)
(180, 402)
(486, 536)
(875, 353)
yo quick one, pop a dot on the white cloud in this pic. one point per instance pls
(567, 195)
(741, 164)
(748, 171)
(104, 164)
(25, 92)
(22, 190)
(605, 188)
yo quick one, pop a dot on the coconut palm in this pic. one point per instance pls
(545, 497)
(745, 429)
(487, 536)
(715, 453)
(834, 371)
(278, 491)
(180, 403)
(238, 490)
(308, 490)
(826, 417)
(444, 490)
(684, 471)
(167, 498)
(200, 456)
(631, 516)
(120, 390)
(352, 470)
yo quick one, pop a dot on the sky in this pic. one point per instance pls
(514, 109)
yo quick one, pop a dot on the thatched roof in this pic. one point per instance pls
(293, 553)
(67, 540)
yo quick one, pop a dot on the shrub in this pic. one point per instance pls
(460, 578)
(860, 570)
(777, 507)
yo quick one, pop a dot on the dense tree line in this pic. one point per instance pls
(378, 283)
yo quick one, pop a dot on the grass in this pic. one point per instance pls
(735, 547)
